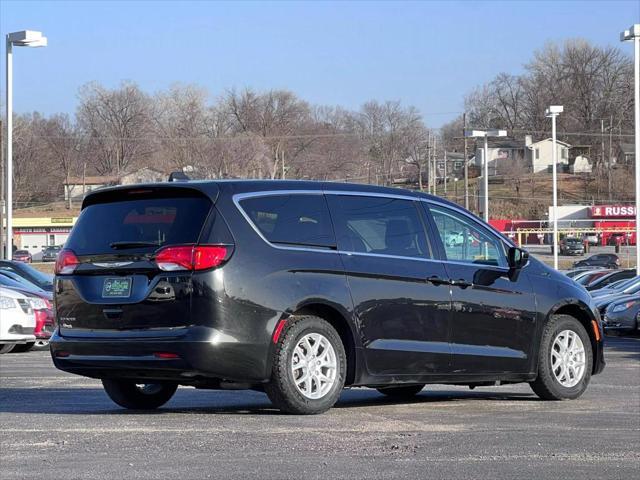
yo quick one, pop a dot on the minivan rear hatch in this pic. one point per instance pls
(125, 264)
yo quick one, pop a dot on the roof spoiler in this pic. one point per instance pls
(178, 177)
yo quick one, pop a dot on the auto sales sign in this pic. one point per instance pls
(613, 211)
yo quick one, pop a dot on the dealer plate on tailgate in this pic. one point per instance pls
(116, 287)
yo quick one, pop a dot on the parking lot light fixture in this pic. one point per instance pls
(485, 172)
(633, 35)
(23, 38)
(552, 112)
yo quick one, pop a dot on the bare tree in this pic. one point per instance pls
(117, 126)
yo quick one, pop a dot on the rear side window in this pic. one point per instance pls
(157, 221)
(293, 219)
(378, 225)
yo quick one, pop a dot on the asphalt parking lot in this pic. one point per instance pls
(57, 425)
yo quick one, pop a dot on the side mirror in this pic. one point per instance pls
(517, 258)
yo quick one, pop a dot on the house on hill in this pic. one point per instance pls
(77, 187)
(625, 153)
(502, 153)
(540, 155)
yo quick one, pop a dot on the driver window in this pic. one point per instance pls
(465, 240)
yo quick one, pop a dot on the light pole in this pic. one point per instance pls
(552, 112)
(485, 171)
(633, 34)
(24, 38)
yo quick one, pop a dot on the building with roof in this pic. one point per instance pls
(540, 155)
(503, 153)
(625, 153)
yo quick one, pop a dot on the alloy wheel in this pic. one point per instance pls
(568, 358)
(314, 366)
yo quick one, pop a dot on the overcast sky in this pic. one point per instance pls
(428, 54)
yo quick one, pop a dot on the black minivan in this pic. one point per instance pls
(302, 288)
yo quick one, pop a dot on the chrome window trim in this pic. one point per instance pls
(384, 255)
(238, 197)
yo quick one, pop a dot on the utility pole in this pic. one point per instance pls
(445, 173)
(435, 165)
(466, 167)
(610, 153)
(429, 165)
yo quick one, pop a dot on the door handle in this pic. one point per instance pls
(438, 281)
(461, 283)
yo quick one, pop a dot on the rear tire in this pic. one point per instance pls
(401, 392)
(6, 347)
(130, 395)
(309, 348)
(556, 364)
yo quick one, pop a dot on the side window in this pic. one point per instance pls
(294, 219)
(465, 240)
(378, 225)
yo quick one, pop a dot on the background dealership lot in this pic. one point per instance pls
(362, 92)
(56, 425)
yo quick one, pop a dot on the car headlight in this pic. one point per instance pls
(621, 307)
(38, 304)
(7, 302)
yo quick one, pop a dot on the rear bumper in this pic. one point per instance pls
(17, 339)
(203, 355)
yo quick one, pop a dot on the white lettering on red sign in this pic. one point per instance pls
(613, 211)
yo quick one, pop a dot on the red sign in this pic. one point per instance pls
(613, 211)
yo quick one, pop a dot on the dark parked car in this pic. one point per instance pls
(590, 276)
(604, 299)
(50, 254)
(606, 260)
(32, 275)
(571, 246)
(625, 285)
(301, 288)
(622, 315)
(610, 278)
(22, 256)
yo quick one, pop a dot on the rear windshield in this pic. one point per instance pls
(153, 221)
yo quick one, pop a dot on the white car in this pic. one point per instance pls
(453, 239)
(17, 320)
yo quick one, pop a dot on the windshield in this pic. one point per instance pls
(622, 284)
(40, 278)
(5, 281)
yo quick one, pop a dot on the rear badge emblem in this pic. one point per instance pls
(112, 264)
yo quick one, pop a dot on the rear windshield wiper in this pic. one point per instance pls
(132, 244)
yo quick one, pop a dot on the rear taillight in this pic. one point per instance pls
(189, 257)
(66, 262)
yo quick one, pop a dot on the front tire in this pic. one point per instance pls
(401, 392)
(565, 360)
(309, 367)
(130, 395)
